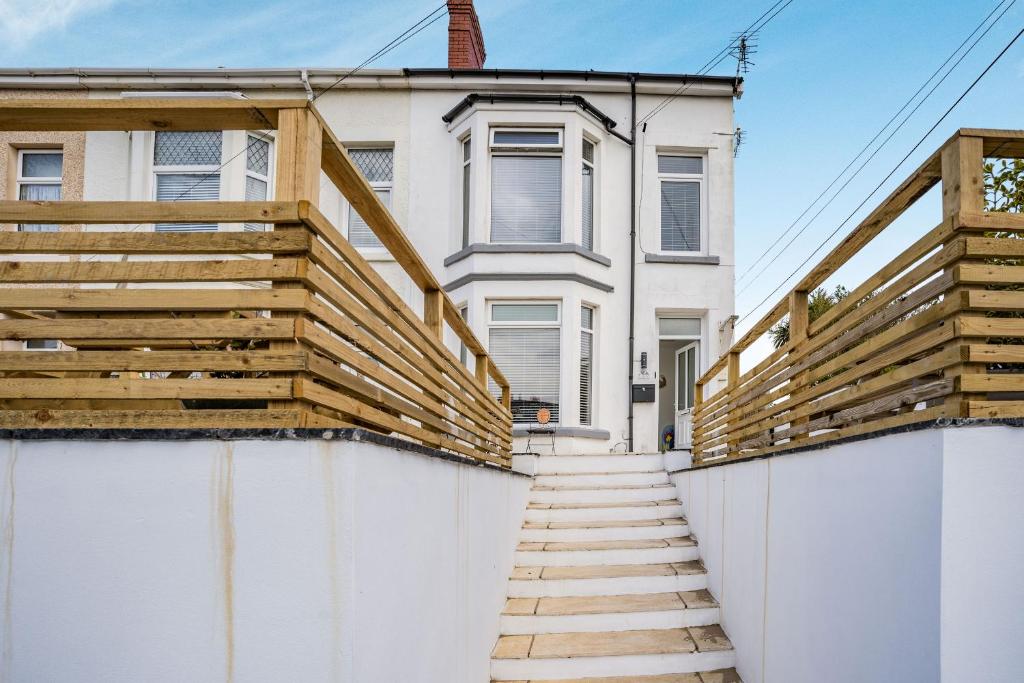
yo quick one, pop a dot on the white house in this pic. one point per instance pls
(517, 186)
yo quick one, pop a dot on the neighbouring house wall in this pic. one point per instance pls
(311, 560)
(894, 558)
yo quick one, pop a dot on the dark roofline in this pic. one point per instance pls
(570, 73)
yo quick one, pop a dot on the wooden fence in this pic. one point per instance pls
(938, 332)
(290, 327)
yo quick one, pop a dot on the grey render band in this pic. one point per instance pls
(581, 432)
(559, 248)
(692, 260)
(526, 277)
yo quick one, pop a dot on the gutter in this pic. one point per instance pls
(575, 100)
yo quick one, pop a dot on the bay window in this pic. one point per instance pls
(588, 195)
(525, 342)
(526, 186)
(682, 192)
(467, 155)
(257, 173)
(40, 173)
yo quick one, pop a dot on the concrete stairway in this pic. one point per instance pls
(608, 587)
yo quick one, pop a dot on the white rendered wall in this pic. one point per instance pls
(894, 558)
(250, 561)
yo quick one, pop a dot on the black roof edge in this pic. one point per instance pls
(570, 73)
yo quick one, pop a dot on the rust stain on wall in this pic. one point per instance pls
(8, 562)
(224, 525)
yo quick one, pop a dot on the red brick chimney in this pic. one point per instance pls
(465, 39)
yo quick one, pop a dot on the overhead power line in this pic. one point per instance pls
(734, 48)
(877, 135)
(889, 175)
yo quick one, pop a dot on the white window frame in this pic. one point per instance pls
(466, 189)
(21, 179)
(701, 179)
(592, 331)
(539, 325)
(184, 170)
(553, 150)
(593, 192)
(269, 138)
(376, 185)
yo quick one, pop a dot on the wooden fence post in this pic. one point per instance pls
(732, 383)
(433, 311)
(799, 320)
(963, 191)
(297, 178)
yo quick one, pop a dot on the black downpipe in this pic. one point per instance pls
(632, 252)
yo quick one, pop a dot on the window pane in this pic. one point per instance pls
(525, 137)
(465, 204)
(255, 191)
(526, 199)
(187, 148)
(467, 149)
(503, 313)
(257, 156)
(530, 360)
(673, 164)
(49, 165)
(359, 233)
(187, 187)
(587, 317)
(39, 193)
(588, 151)
(588, 207)
(376, 164)
(679, 327)
(680, 216)
(691, 375)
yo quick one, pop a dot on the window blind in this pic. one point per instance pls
(586, 364)
(588, 207)
(359, 233)
(187, 187)
(525, 138)
(680, 216)
(526, 199)
(674, 164)
(255, 191)
(530, 359)
(512, 313)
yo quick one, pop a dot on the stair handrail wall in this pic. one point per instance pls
(288, 327)
(937, 332)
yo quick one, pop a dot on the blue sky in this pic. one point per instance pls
(827, 75)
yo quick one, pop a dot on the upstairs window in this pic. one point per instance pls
(467, 156)
(588, 195)
(257, 173)
(378, 165)
(525, 342)
(682, 190)
(40, 173)
(186, 166)
(526, 186)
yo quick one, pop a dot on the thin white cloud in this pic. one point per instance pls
(23, 20)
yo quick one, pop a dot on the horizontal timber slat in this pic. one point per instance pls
(113, 213)
(937, 331)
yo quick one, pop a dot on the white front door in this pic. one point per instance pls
(686, 378)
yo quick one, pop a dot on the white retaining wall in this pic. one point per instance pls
(894, 558)
(250, 561)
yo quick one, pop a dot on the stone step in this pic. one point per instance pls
(590, 553)
(606, 462)
(604, 530)
(615, 511)
(599, 494)
(627, 579)
(611, 653)
(601, 478)
(719, 676)
(645, 611)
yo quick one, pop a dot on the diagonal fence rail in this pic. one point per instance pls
(291, 327)
(937, 332)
